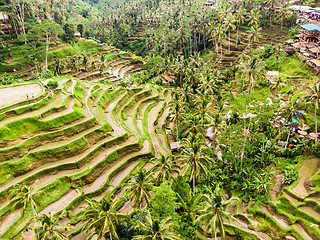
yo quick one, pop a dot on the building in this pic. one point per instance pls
(310, 33)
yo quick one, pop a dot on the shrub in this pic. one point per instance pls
(290, 174)
(53, 83)
(136, 60)
(6, 79)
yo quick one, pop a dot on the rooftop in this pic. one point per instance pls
(310, 27)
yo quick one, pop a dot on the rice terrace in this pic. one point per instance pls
(159, 120)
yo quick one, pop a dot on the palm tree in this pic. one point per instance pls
(229, 24)
(139, 187)
(213, 211)
(239, 18)
(202, 110)
(49, 229)
(219, 34)
(251, 69)
(22, 196)
(165, 167)
(254, 34)
(154, 229)
(189, 204)
(102, 216)
(254, 17)
(59, 66)
(177, 111)
(73, 64)
(194, 159)
(271, 4)
(315, 98)
(289, 111)
(284, 12)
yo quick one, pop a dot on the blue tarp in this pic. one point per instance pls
(295, 120)
(310, 27)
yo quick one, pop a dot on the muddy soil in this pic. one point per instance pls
(15, 94)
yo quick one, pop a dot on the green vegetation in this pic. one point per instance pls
(92, 153)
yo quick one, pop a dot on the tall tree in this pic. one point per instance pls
(213, 211)
(154, 229)
(139, 188)
(229, 25)
(48, 227)
(194, 159)
(47, 30)
(102, 216)
(284, 12)
(239, 18)
(254, 17)
(251, 68)
(315, 98)
(164, 167)
(271, 4)
(23, 196)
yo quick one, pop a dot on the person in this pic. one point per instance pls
(32, 95)
(27, 96)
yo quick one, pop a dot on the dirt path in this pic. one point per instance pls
(18, 93)
(308, 168)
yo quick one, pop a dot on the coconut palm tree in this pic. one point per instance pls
(48, 227)
(213, 211)
(154, 229)
(23, 196)
(288, 111)
(59, 66)
(239, 19)
(211, 31)
(178, 114)
(284, 12)
(139, 187)
(229, 24)
(251, 69)
(315, 98)
(188, 204)
(271, 4)
(219, 34)
(101, 217)
(165, 166)
(194, 159)
(254, 34)
(254, 17)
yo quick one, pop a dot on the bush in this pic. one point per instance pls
(317, 151)
(6, 79)
(53, 83)
(290, 174)
(46, 74)
(136, 60)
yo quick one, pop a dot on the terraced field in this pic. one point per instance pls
(78, 141)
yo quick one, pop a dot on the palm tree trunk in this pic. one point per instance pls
(177, 129)
(194, 183)
(316, 124)
(47, 50)
(221, 48)
(288, 135)
(229, 41)
(237, 35)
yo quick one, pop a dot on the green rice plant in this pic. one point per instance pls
(24, 127)
(40, 139)
(79, 91)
